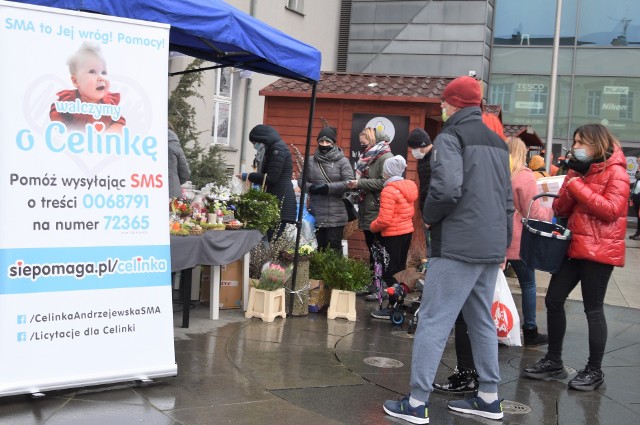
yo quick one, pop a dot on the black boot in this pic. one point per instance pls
(532, 338)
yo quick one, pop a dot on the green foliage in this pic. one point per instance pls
(210, 168)
(182, 114)
(257, 210)
(339, 272)
(265, 252)
(207, 166)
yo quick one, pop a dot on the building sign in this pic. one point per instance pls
(615, 90)
(85, 288)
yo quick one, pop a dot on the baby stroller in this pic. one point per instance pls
(400, 308)
(380, 261)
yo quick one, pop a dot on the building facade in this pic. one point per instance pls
(509, 45)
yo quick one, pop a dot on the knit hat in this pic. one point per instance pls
(381, 136)
(394, 166)
(418, 139)
(536, 162)
(328, 133)
(462, 92)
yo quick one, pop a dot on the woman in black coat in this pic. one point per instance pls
(274, 160)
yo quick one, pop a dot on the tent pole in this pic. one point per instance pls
(296, 255)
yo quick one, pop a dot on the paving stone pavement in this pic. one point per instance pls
(304, 370)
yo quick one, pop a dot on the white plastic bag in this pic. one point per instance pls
(238, 187)
(504, 313)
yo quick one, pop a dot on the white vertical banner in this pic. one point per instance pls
(85, 293)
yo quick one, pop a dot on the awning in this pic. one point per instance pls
(215, 31)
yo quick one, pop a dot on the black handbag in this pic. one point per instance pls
(352, 213)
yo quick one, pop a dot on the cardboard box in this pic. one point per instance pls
(549, 185)
(319, 297)
(230, 285)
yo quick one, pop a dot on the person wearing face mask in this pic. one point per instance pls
(469, 210)
(375, 150)
(593, 198)
(420, 144)
(328, 173)
(275, 169)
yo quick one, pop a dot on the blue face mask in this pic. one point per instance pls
(581, 155)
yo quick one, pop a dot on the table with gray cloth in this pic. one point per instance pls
(213, 248)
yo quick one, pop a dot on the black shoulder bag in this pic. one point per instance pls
(352, 213)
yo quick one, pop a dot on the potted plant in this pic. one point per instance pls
(344, 276)
(257, 210)
(267, 298)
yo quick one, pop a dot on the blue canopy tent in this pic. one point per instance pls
(215, 31)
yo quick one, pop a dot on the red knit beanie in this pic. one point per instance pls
(463, 92)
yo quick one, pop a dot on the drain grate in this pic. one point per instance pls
(515, 408)
(383, 362)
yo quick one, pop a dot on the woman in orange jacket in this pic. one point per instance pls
(395, 220)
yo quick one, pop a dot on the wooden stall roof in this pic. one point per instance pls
(341, 85)
(525, 132)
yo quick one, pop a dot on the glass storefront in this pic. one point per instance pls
(609, 23)
(598, 66)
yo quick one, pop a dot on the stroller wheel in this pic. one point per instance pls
(397, 317)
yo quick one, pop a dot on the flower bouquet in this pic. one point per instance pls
(180, 207)
(273, 276)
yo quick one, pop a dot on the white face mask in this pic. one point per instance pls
(417, 153)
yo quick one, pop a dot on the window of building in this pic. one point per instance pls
(594, 102)
(533, 23)
(222, 106)
(626, 106)
(613, 23)
(539, 101)
(501, 95)
(296, 6)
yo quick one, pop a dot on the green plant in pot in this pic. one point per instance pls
(257, 210)
(339, 272)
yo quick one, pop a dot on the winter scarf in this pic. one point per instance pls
(369, 157)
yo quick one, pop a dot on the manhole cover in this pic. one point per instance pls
(383, 362)
(402, 334)
(515, 408)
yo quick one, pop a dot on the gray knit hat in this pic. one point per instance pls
(395, 166)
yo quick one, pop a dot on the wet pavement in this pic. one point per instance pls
(304, 370)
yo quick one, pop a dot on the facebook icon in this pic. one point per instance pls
(22, 336)
(22, 319)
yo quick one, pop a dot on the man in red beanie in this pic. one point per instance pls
(468, 210)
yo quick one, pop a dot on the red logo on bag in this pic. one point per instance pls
(502, 318)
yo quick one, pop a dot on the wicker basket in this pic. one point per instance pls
(229, 226)
(196, 232)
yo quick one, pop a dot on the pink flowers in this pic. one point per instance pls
(273, 276)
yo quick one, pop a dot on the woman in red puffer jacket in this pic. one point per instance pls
(594, 199)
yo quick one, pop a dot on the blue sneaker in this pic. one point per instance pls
(477, 406)
(403, 410)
